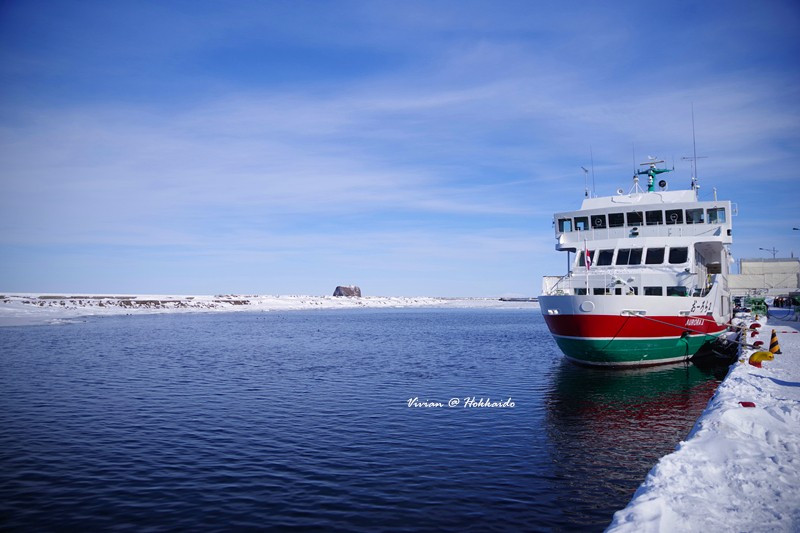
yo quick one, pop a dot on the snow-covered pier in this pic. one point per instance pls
(739, 468)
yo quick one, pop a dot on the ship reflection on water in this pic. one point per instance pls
(609, 427)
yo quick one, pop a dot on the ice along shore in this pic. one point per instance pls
(32, 309)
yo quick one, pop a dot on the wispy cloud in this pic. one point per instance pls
(227, 134)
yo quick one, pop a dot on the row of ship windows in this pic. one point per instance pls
(633, 256)
(633, 291)
(714, 215)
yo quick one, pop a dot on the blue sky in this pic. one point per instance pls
(412, 148)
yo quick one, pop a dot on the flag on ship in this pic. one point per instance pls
(587, 257)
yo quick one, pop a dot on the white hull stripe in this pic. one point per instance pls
(635, 338)
(641, 362)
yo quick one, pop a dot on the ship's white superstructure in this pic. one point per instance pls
(648, 279)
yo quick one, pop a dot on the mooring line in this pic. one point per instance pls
(734, 341)
(685, 328)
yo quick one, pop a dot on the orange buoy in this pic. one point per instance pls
(757, 358)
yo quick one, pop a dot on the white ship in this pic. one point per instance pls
(649, 279)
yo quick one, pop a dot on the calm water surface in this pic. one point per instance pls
(300, 420)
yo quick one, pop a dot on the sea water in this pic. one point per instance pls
(357, 420)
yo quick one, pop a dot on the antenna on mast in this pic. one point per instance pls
(591, 157)
(694, 145)
(651, 172)
(694, 158)
(585, 182)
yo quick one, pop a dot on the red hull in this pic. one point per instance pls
(605, 326)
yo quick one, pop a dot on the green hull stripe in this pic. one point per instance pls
(631, 351)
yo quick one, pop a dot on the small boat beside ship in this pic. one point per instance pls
(648, 283)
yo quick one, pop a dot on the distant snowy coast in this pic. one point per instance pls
(31, 309)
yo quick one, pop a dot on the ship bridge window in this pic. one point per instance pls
(653, 291)
(694, 216)
(605, 257)
(582, 258)
(629, 256)
(677, 291)
(598, 221)
(674, 216)
(581, 223)
(678, 256)
(655, 256)
(716, 215)
(616, 220)
(564, 224)
(635, 218)
(654, 217)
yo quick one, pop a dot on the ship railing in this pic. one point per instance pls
(659, 230)
(557, 285)
(566, 284)
(608, 280)
(612, 279)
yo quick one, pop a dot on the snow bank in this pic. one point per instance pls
(29, 309)
(739, 469)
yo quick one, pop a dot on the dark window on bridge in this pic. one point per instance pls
(635, 218)
(598, 221)
(694, 216)
(605, 257)
(677, 291)
(564, 224)
(678, 256)
(582, 257)
(629, 256)
(654, 218)
(653, 291)
(581, 223)
(716, 216)
(674, 216)
(655, 256)
(580, 292)
(616, 220)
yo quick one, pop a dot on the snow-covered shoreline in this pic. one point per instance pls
(739, 468)
(40, 308)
